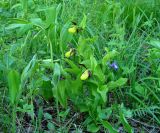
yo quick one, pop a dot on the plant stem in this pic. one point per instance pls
(51, 48)
(57, 107)
(14, 119)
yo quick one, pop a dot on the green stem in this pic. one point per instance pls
(57, 107)
(14, 119)
(51, 53)
(51, 49)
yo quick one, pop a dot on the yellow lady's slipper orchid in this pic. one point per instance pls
(72, 30)
(69, 53)
(85, 75)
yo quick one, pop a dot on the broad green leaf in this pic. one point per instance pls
(16, 6)
(88, 120)
(85, 48)
(61, 93)
(59, 89)
(47, 63)
(76, 88)
(56, 75)
(154, 53)
(23, 24)
(126, 125)
(140, 89)
(14, 85)
(99, 73)
(83, 22)
(51, 126)
(64, 113)
(93, 63)
(24, 4)
(86, 63)
(29, 108)
(38, 23)
(155, 43)
(104, 113)
(83, 107)
(118, 83)
(109, 56)
(92, 128)
(48, 116)
(14, 26)
(8, 61)
(57, 70)
(126, 112)
(46, 89)
(19, 21)
(52, 14)
(29, 70)
(103, 92)
(64, 36)
(74, 68)
(127, 70)
(108, 126)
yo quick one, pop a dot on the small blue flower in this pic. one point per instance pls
(114, 66)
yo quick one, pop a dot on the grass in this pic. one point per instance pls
(79, 66)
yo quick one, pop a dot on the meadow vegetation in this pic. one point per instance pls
(80, 66)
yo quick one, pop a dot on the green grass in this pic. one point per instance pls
(43, 87)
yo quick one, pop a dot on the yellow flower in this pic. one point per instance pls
(69, 53)
(72, 30)
(85, 75)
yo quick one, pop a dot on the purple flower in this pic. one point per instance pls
(114, 66)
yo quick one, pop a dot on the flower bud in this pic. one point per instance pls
(69, 53)
(72, 30)
(85, 75)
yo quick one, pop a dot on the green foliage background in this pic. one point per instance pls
(41, 90)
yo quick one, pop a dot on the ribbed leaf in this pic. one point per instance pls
(14, 85)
